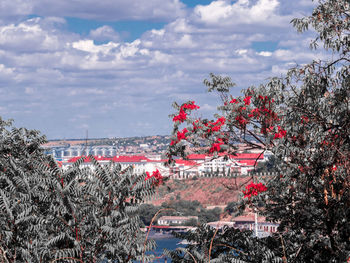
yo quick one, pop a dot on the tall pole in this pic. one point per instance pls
(256, 224)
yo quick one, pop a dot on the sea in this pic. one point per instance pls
(169, 243)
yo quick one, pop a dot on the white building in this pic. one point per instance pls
(174, 220)
(140, 164)
(199, 165)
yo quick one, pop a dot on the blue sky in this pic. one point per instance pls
(115, 67)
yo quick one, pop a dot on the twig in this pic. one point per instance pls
(284, 250)
(223, 245)
(195, 261)
(3, 253)
(149, 229)
(212, 240)
(296, 255)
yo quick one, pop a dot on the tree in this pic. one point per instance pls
(304, 120)
(76, 215)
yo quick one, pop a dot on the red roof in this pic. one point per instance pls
(253, 156)
(238, 156)
(197, 156)
(130, 159)
(247, 162)
(185, 162)
(248, 218)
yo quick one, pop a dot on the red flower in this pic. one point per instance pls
(242, 121)
(156, 174)
(181, 117)
(181, 135)
(281, 133)
(190, 106)
(215, 147)
(247, 100)
(254, 112)
(254, 189)
(234, 101)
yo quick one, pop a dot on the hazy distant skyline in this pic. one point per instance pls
(115, 67)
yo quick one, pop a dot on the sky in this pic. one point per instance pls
(114, 67)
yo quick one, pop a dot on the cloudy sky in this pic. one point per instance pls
(114, 67)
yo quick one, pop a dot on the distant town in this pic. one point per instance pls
(146, 154)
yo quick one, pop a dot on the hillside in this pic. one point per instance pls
(208, 191)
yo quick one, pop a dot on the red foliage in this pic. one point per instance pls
(216, 147)
(234, 101)
(182, 116)
(242, 121)
(281, 133)
(247, 100)
(156, 174)
(254, 189)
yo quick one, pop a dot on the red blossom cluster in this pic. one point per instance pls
(156, 174)
(195, 125)
(181, 135)
(234, 101)
(262, 113)
(254, 189)
(247, 100)
(215, 126)
(216, 147)
(281, 133)
(241, 120)
(182, 116)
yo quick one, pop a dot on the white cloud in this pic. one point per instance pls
(89, 46)
(265, 53)
(221, 12)
(104, 10)
(241, 51)
(104, 33)
(117, 84)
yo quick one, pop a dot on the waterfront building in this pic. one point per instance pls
(175, 220)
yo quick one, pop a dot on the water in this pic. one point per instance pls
(169, 243)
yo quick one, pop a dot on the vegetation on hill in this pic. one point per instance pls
(216, 191)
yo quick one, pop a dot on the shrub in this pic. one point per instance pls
(79, 214)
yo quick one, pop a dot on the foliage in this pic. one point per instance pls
(230, 207)
(79, 214)
(227, 245)
(268, 166)
(147, 212)
(304, 120)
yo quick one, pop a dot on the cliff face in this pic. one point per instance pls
(208, 191)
